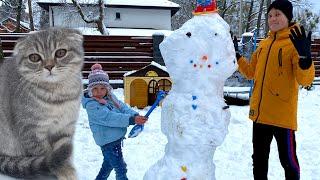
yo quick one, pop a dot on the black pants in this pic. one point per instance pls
(262, 137)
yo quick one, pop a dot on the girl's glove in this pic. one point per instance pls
(302, 45)
(236, 47)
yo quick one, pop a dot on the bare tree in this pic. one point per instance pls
(98, 20)
(13, 9)
(31, 24)
(266, 27)
(19, 9)
(249, 16)
(259, 17)
(223, 7)
(8, 8)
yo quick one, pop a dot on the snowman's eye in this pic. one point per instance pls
(188, 34)
(216, 34)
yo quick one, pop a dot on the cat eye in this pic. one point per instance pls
(35, 57)
(60, 53)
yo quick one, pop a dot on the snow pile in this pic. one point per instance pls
(199, 58)
(233, 158)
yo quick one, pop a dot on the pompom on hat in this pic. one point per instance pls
(205, 7)
(98, 76)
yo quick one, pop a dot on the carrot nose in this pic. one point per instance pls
(204, 58)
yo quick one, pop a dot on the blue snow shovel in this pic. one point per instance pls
(137, 129)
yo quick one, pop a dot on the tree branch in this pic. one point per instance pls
(79, 9)
(99, 21)
(9, 4)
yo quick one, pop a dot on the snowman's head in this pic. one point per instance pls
(201, 51)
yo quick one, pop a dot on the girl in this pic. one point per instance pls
(108, 120)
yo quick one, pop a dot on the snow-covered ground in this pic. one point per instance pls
(232, 159)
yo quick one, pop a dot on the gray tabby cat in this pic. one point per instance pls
(40, 90)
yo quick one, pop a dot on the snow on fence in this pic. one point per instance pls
(116, 54)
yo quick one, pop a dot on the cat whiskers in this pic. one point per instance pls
(71, 72)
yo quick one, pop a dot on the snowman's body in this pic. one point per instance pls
(199, 57)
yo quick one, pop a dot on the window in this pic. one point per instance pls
(164, 85)
(153, 87)
(118, 16)
(152, 91)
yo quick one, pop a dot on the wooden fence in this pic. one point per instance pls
(120, 54)
(116, 54)
(315, 52)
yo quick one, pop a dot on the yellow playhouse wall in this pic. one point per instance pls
(127, 81)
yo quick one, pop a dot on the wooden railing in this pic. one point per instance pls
(116, 54)
(315, 52)
(120, 54)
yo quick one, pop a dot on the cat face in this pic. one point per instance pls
(50, 56)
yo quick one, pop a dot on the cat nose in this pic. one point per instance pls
(49, 67)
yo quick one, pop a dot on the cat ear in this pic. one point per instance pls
(74, 35)
(19, 45)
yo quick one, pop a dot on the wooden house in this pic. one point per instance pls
(141, 86)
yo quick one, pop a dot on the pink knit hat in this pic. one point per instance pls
(98, 76)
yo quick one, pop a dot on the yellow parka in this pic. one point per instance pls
(277, 75)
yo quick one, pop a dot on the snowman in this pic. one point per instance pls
(199, 58)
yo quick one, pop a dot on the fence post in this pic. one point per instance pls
(1, 51)
(157, 57)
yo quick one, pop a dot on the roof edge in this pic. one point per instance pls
(174, 9)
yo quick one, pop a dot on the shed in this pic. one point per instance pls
(141, 86)
(9, 25)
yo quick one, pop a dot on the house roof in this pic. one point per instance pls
(153, 65)
(23, 24)
(142, 4)
(4, 27)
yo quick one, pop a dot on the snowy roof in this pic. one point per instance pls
(125, 31)
(24, 24)
(247, 34)
(118, 3)
(159, 66)
(159, 3)
(152, 64)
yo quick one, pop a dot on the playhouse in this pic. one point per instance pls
(141, 86)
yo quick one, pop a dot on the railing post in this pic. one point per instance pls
(1, 50)
(157, 57)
